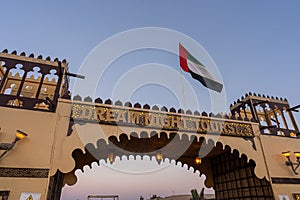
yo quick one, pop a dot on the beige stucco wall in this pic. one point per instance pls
(28, 185)
(64, 145)
(273, 146)
(34, 151)
(285, 189)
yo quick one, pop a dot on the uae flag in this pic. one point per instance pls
(190, 64)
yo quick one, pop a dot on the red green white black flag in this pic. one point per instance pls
(197, 70)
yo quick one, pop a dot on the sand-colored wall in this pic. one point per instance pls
(273, 146)
(285, 189)
(29, 185)
(34, 151)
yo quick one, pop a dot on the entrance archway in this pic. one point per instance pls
(229, 172)
(134, 178)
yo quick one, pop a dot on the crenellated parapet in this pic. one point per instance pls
(274, 114)
(98, 100)
(128, 115)
(31, 82)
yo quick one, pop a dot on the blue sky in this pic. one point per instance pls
(255, 44)
(250, 41)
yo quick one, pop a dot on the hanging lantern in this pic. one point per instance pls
(198, 161)
(159, 157)
(111, 157)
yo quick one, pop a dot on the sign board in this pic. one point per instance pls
(115, 115)
(30, 196)
(284, 197)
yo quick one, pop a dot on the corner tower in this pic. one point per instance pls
(273, 114)
(31, 83)
(30, 88)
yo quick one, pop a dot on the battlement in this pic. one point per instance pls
(272, 113)
(31, 83)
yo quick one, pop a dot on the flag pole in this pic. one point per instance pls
(182, 87)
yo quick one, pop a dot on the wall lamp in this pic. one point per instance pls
(294, 166)
(8, 146)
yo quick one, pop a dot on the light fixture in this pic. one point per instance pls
(159, 157)
(111, 157)
(295, 165)
(292, 134)
(8, 146)
(20, 135)
(198, 161)
(286, 154)
(297, 154)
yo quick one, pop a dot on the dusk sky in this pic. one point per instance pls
(254, 44)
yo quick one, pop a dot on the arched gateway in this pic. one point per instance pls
(244, 149)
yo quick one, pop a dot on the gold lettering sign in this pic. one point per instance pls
(159, 120)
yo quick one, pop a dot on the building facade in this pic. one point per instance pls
(251, 153)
